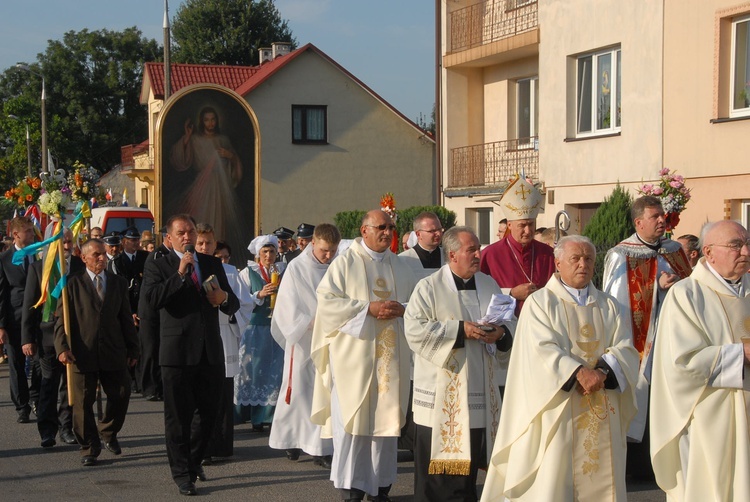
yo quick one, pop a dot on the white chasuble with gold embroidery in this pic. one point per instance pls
(371, 367)
(700, 420)
(554, 444)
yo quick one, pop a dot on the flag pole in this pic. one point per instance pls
(65, 307)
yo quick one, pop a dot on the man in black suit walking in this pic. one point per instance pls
(12, 284)
(103, 345)
(191, 353)
(38, 336)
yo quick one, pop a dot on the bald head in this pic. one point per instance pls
(377, 230)
(725, 246)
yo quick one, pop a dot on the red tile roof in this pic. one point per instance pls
(241, 79)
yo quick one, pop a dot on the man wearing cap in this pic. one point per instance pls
(518, 263)
(638, 272)
(304, 235)
(426, 256)
(362, 360)
(112, 244)
(285, 238)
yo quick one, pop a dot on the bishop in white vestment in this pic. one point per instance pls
(700, 389)
(570, 392)
(362, 360)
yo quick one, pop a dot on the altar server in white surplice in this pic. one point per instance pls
(292, 327)
(700, 388)
(570, 392)
(362, 360)
(458, 353)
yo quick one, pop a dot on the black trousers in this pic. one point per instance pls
(222, 439)
(191, 402)
(444, 487)
(116, 384)
(47, 420)
(19, 385)
(149, 371)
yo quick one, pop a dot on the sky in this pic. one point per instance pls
(387, 44)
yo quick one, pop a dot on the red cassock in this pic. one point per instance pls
(510, 264)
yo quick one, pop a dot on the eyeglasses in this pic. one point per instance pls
(383, 227)
(734, 245)
(433, 231)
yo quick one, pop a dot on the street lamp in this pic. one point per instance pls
(28, 143)
(25, 67)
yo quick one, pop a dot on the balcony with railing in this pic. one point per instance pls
(490, 21)
(493, 164)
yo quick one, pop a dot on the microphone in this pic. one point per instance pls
(190, 249)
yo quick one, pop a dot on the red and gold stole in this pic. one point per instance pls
(641, 279)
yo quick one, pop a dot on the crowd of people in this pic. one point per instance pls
(506, 358)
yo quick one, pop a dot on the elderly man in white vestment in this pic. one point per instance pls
(291, 327)
(700, 436)
(456, 370)
(362, 360)
(570, 392)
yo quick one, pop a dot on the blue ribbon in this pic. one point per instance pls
(31, 249)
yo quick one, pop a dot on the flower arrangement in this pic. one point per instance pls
(388, 204)
(56, 193)
(25, 193)
(673, 193)
(82, 181)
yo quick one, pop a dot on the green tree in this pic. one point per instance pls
(226, 32)
(93, 84)
(610, 224)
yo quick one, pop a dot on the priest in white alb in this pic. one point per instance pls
(362, 360)
(426, 256)
(570, 392)
(700, 389)
(458, 323)
(291, 327)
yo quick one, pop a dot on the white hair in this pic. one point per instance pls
(574, 239)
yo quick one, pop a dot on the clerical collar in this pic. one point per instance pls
(429, 259)
(652, 247)
(373, 254)
(733, 286)
(579, 295)
(464, 285)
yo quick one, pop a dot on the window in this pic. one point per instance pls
(309, 124)
(479, 220)
(740, 79)
(527, 111)
(598, 93)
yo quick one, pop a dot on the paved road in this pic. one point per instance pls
(256, 472)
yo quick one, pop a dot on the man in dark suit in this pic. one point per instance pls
(129, 265)
(148, 336)
(103, 345)
(12, 284)
(38, 336)
(191, 353)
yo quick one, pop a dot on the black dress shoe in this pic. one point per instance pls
(201, 473)
(23, 417)
(113, 445)
(88, 460)
(187, 488)
(293, 453)
(68, 437)
(48, 441)
(153, 397)
(324, 462)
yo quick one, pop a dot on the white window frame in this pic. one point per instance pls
(614, 92)
(533, 100)
(745, 213)
(734, 90)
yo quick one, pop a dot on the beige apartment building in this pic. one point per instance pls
(579, 95)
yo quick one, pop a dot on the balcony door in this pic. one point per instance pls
(527, 111)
